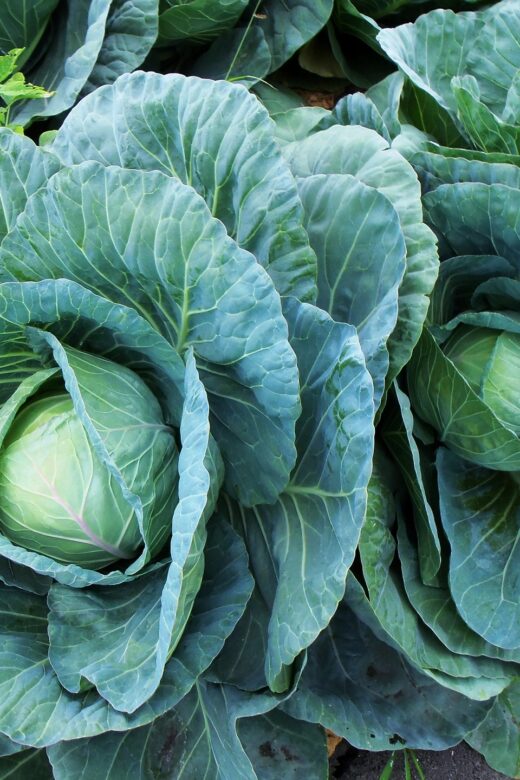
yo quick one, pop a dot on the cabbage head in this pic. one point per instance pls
(60, 497)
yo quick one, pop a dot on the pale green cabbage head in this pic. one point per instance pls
(489, 360)
(58, 497)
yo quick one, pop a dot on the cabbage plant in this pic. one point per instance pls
(161, 344)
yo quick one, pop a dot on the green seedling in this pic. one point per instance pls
(14, 87)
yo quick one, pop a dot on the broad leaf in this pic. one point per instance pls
(477, 678)
(130, 32)
(362, 153)
(357, 237)
(36, 710)
(497, 736)
(441, 396)
(193, 283)
(215, 137)
(68, 61)
(197, 20)
(416, 469)
(29, 763)
(278, 28)
(319, 516)
(24, 168)
(480, 512)
(370, 695)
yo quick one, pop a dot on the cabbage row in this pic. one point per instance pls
(259, 408)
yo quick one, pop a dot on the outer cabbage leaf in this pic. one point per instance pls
(37, 711)
(33, 763)
(357, 237)
(277, 31)
(366, 678)
(495, 58)
(319, 516)
(68, 60)
(215, 137)
(193, 283)
(130, 32)
(416, 469)
(497, 736)
(480, 512)
(24, 168)
(474, 218)
(215, 733)
(197, 20)
(484, 129)
(477, 678)
(433, 50)
(436, 608)
(362, 153)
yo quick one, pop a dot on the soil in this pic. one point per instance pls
(458, 763)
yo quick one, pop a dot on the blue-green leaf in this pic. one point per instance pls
(36, 710)
(319, 516)
(480, 511)
(193, 283)
(361, 688)
(357, 237)
(215, 137)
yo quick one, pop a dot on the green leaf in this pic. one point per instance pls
(35, 709)
(130, 32)
(485, 130)
(357, 237)
(319, 516)
(24, 29)
(29, 763)
(358, 109)
(71, 312)
(441, 396)
(8, 63)
(495, 58)
(436, 608)
(280, 746)
(354, 679)
(193, 283)
(199, 21)
(360, 152)
(24, 168)
(433, 50)
(16, 88)
(101, 635)
(69, 58)
(100, 393)
(197, 739)
(480, 511)
(416, 469)
(215, 137)
(477, 678)
(278, 27)
(497, 736)
(435, 169)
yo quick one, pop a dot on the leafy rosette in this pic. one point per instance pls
(186, 438)
(446, 588)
